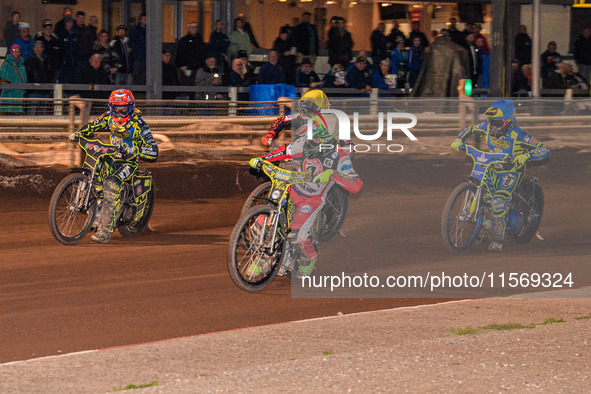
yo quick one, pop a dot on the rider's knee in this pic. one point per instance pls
(499, 205)
(111, 187)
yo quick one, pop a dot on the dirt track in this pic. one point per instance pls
(173, 282)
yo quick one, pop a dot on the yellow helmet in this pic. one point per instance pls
(313, 100)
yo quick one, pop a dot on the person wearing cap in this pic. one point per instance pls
(417, 33)
(61, 24)
(394, 35)
(399, 62)
(239, 40)
(11, 28)
(284, 45)
(248, 68)
(38, 71)
(306, 77)
(359, 77)
(335, 78)
(13, 70)
(25, 41)
(190, 54)
(69, 47)
(51, 45)
(271, 73)
(208, 75)
(123, 49)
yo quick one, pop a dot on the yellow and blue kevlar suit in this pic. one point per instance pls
(502, 179)
(136, 135)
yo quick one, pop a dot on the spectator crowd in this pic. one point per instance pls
(74, 51)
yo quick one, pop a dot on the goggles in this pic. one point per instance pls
(497, 123)
(119, 111)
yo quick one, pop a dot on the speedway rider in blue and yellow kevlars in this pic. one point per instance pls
(503, 136)
(132, 134)
(328, 166)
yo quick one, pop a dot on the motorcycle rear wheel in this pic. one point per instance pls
(459, 232)
(332, 215)
(532, 209)
(67, 221)
(134, 229)
(250, 247)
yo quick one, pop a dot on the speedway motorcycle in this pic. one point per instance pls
(260, 239)
(330, 218)
(75, 200)
(467, 214)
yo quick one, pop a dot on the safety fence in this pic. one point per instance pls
(190, 131)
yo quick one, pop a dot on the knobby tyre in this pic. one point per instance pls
(458, 230)
(532, 207)
(135, 228)
(332, 215)
(251, 245)
(69, 222)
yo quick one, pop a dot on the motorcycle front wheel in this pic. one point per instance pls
(256, 250)
(459, 229)
(69, 219)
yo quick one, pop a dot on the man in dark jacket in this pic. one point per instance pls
(86, 37)
(523, 46)
(359, 76)
(271, 72)
(305, 36)
(68, 40)
(218, 45)
(38, 71)
(51, 45)
(92, 73)
(190, 54)
(11, 28)
(582, 53)
(379, 44)
(137, 38)
(169, 74)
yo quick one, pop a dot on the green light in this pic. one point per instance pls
(468, 87)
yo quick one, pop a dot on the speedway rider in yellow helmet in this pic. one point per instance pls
(503, 136)
(328, 166)
(132, 134)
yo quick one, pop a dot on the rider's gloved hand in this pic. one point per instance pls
(254, 162)
(457, 144)
(131, 150)
(324, 178)
(519, 160)
(266, 140)
(74, 137)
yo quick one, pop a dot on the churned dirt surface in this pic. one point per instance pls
(172, 282)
